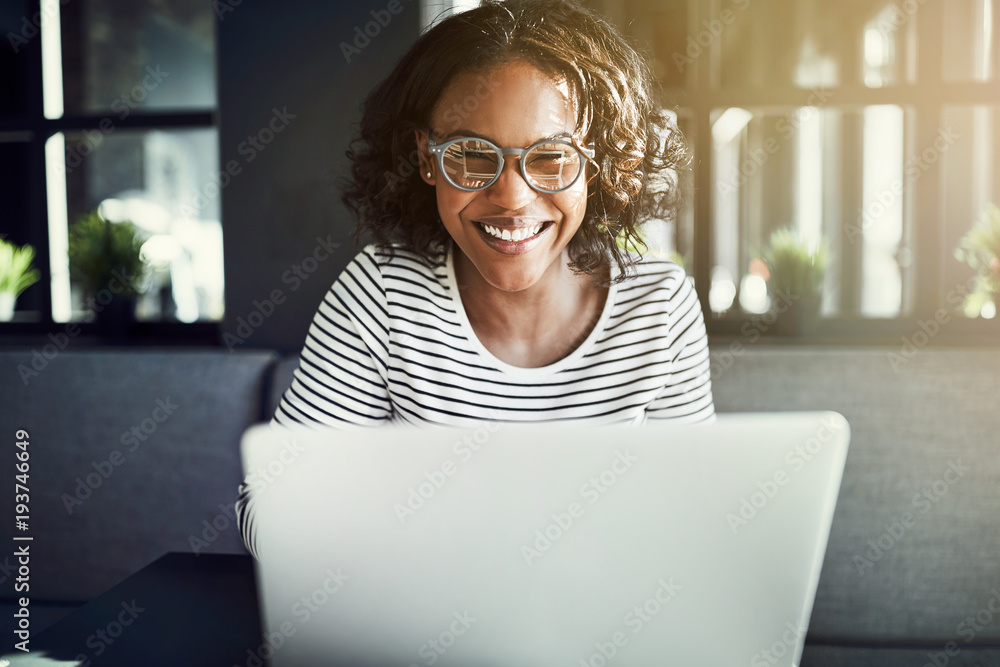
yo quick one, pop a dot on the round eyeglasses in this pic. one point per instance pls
(471, 164)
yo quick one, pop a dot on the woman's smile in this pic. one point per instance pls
(512, 235)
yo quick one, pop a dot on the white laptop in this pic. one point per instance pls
(522, 545)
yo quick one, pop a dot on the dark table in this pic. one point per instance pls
(197, 610)
(190, 610)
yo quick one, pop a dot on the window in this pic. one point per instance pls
(432, 11)
(870, 128)
(113, 114)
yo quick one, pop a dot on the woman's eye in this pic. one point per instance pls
(480, 161)
(548, 160)
(479, 155)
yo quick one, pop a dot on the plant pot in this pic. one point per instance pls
(800, 318)
(116, 319)
(7, 300)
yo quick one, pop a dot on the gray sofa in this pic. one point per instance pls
(98, 517)
(890, 594)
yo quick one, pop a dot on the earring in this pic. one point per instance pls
(430, 174)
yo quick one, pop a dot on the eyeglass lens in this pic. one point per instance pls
(473, 164)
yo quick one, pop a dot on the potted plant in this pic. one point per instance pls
(797, 271)
(106, 262)
(16, 275)
(980, 249)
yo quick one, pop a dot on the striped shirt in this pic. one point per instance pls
(391, 342)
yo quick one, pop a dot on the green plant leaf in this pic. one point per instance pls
(795, 267)
(980, 249)
(16, 272)
(98, 250)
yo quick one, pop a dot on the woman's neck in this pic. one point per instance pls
(537, 325)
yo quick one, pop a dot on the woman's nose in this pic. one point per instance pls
(510, 190)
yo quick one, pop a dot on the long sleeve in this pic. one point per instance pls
(341, 381)
(342, 377)
(687, 397)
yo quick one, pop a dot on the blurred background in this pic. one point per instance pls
(845, 160)
(169, 175)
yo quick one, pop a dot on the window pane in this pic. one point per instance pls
(14, 184)
(832, 176)
(779, 44)
(889, 47)
(684, 226)
(768, 174)
(661, 27)
(971, 176)
(125, 55)
(14, 221)
(19, 36)
(882, 207)
(433, 11)
(970, 50)
(672, 237)
(165, 183)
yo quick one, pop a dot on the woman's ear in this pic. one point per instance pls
(426, 160)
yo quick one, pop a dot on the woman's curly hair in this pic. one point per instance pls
(638, 146)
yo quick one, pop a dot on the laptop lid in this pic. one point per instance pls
(548, 544)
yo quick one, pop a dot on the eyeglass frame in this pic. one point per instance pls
(438, 150)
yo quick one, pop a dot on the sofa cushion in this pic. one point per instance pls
(133, 453)
(916, 535)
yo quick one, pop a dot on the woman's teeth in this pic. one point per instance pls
(516, 235)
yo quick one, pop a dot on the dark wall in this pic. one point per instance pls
(282, 196)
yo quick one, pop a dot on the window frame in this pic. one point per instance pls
(32, 128)
(925, 99)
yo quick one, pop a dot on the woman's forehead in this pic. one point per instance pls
(514, 102)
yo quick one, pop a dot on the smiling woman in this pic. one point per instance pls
(496, 287)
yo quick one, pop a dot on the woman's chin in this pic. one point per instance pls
(511, 282)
